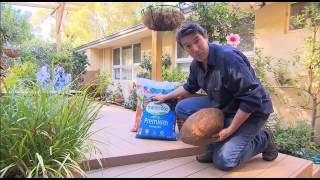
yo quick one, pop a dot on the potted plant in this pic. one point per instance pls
(162, 17)
(119, 99)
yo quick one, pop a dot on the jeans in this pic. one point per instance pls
(249, 140)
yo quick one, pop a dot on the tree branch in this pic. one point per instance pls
(293, 87)
(300, 107)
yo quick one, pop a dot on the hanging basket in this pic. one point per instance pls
(162, 18)
(13, 53)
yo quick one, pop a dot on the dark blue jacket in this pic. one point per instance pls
(230, 82)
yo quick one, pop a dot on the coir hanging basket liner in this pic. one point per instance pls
(162, 19)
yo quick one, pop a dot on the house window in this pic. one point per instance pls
(116, 73)
(125, 62)
(183, 67)
(136, 59)
(183, 59)
(181, 52)
(116, 64)
(127, 59)
(136, 53)
(295, 10)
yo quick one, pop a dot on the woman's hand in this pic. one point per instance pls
(159, 98)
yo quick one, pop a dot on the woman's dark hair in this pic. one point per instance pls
(189, 28)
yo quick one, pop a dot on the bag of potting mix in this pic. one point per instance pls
(155, 121)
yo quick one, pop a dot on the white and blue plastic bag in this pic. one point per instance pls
(158, 121)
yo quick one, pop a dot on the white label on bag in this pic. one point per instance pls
(158, 109)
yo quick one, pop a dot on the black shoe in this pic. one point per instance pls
(205, 157)
(271, 152)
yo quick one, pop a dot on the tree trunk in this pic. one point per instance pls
(315, 122)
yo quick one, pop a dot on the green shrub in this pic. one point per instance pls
(44, 134)
(145, 67)
(63, 58)
(295, 139)
(131, 103)
(105, 80)
(174, 75)
(166, 61)
(21, 72)
(41, 51)
(79, 63)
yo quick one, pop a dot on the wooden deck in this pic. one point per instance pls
(123, 155)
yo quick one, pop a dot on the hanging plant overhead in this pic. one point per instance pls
(12, 51)
(162, 17)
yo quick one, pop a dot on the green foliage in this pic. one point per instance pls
(131, 103)
(167, 73)
(174, 75)
(14, 27)
(157, 7)
(166, 61)
(219, 20)
(145, 67)
(99, 19)
(63, 58)
(295, 140)
(146, 63)
(104, 78)
(281, 73)
(80, 62)
(119, 91)
(21, 72)
(310, 19)
(41, 51)
(44, 134)
(261, 65)
(110, 96)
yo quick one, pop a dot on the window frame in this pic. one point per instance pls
(121, 66)
(181, 60)
(288, 19)
(189, 59)
(116, 66)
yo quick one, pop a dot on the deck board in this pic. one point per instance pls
(316, 171)
(183, 170)
(188, 167)
(254, 167)
(120, 170)
(158, 168)
(121, 147)
(123, 155)
(287, 168)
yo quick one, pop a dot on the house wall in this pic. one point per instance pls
(146, 44)
(107, 59)
(168, 45)
(95, 57)
(274, 36)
